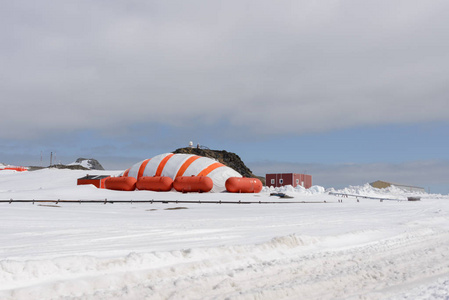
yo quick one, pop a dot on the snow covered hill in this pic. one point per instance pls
(331, 247)
(88, 163)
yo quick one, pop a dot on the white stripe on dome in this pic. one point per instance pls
(135, 169)
(198, 165)
(219, 177)
(173, 165)
(152, 166)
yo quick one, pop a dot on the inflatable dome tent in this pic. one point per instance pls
(177, 165)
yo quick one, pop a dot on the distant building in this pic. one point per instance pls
(408, 188)
(293, 179)
(97, 180)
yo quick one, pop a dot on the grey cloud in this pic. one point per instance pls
(259, 65)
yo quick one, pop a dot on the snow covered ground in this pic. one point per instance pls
(322, 249)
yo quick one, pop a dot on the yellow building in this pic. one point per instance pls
(384, 184)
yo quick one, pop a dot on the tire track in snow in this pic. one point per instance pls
(289, 267)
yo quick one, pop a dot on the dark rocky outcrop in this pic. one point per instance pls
(91, 162)
(229, 159)
(70, 167)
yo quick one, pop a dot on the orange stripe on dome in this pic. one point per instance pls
(210, 168)
(142, 168)
(126, 173)
(162, 164)
(186, 164)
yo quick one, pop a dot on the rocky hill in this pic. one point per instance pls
(229, 159)
(79, 164)
(88, 163)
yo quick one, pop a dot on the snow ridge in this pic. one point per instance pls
(276, 269)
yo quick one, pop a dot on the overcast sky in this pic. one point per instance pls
(287, 85)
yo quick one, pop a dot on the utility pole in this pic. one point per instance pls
(51, 158)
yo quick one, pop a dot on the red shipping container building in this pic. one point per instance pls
(293, 179)
(97, 180)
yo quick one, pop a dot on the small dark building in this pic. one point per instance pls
(293, 179)
(97, 180)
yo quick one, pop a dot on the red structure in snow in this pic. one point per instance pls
(293, 179)
(14, 168)
(97, 180)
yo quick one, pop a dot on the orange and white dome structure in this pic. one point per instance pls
(182, 165)
(183, 173)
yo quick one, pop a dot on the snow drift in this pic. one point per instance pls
(315, 250)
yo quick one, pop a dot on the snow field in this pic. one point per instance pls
(349, 250)
(287, 268)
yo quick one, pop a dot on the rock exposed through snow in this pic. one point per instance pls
(88, 163)
(229, 159)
